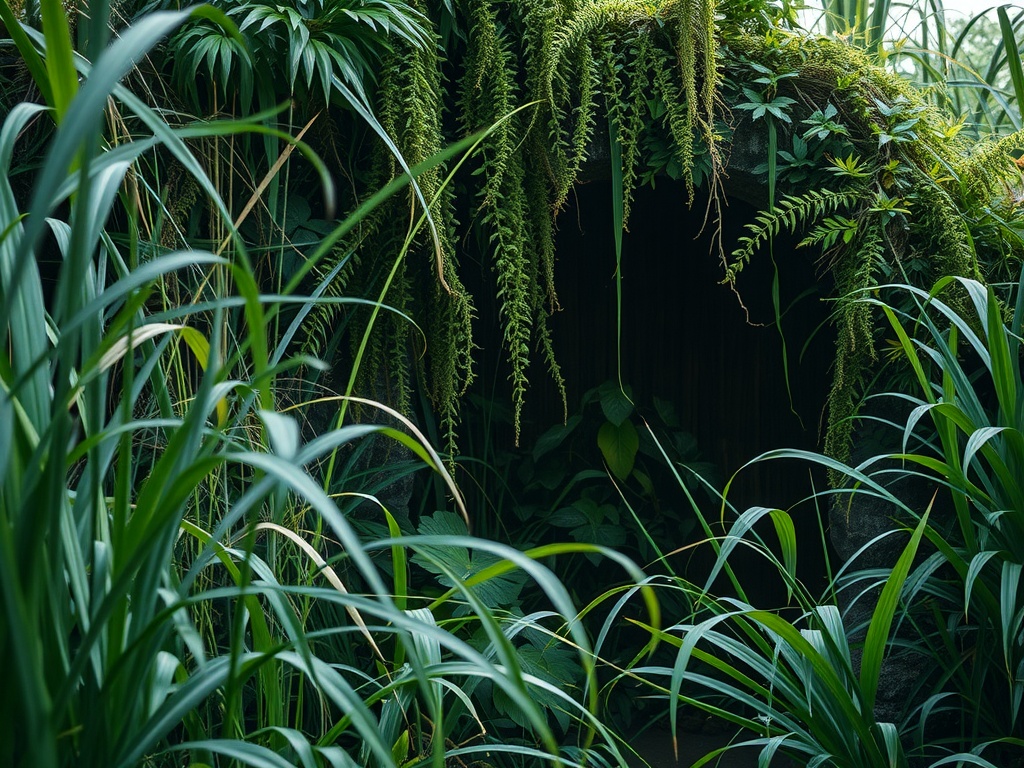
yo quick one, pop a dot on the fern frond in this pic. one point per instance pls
(830, 231)
(790, 213)
(633, 113)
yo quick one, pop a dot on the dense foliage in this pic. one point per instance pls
(857, 164)
(199, 558)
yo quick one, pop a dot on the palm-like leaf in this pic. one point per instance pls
(313, 41)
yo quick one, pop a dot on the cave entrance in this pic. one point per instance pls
(686, 338)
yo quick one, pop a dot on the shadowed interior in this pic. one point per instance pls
(687, 338)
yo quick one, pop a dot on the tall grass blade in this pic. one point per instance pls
(877, 640)
(33, 61)
(27, 321)
(60, 68)
(875, 24)
(618, 212)
(1013, 61)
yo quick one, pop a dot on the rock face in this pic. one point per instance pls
(867, 532)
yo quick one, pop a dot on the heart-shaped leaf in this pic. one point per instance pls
(619, 444)
(615, 402)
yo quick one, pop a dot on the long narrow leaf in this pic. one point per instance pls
(877, 640)
(1013, 61)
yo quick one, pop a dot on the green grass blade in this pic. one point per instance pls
(786, 531)
(399, 564)
(875, 25)
(27, 50)
(877, 640)
(60, 64)
(618, 203)
(82, 121)
(1013, 61)
(27, 319)
(1005, 365)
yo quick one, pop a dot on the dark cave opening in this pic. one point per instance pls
(687, 337)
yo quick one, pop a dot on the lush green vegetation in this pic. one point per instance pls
(236, 242)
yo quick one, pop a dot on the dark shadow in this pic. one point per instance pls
(687, 338)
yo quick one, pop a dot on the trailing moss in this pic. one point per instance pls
(884, 198)
(557, 56)
(893, 210)
(406, 259)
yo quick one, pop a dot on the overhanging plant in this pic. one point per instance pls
(654, 77)
(559, 59)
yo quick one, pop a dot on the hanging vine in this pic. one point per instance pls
(887, 184)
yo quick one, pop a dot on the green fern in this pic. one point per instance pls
(488, 98)
(570, 62)
(634, 113)
(830, 231)
(695, 50)
(790, 214)
(410, 112)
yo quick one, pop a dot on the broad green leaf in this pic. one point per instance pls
(619, 445)
(615, 403)
(400, 749)
(555, 663)
(498, 592)
(555, 436)
(667, 412)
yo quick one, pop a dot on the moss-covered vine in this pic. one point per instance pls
(884, 198)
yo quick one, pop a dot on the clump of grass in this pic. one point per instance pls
(804, 681)
(155, 606)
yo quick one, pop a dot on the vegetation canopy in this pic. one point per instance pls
(853, 160)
